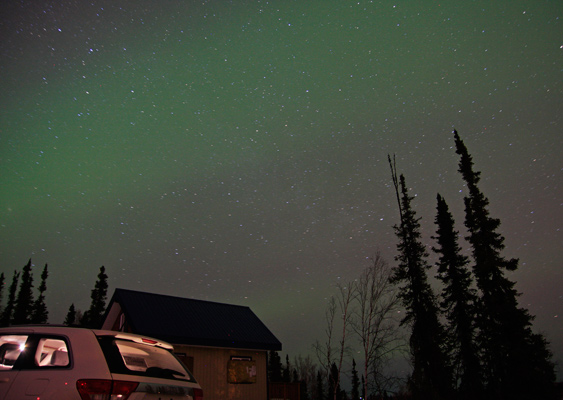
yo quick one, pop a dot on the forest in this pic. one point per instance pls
(471, 340)
(23, 308)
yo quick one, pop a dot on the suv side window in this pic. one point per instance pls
(11, 346)
(32, 352)
(51, 352)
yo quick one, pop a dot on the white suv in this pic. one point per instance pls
(63, 363)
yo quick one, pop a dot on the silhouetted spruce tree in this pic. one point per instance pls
(274, 366)
(355, 394)
(2, 282)
(93, 317)
(334, 390)
(458, 305)
(287, 370)
(8, 311)
(303, 387)
(24, 302)
(431, 378)
(516, 362)
(40, 314)
(70, 318)
(320, 392)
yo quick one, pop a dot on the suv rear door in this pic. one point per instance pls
(159, 373)
(41, 366)
(11, 347)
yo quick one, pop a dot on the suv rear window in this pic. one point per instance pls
(33, 351)
(131, 358)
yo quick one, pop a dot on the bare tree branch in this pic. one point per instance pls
(375, 300)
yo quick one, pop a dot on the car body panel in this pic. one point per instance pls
(55, 358)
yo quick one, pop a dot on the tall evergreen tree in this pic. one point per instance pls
(274, 367)
(95, 314)
(2, 282)
(334, 390)
(431, 378)
(303, 388)
(70, 318)
(24, 302)
(320, 392)
(8, 311)
(517, 363)
(458, 305)
(287, 370)
(40, 314)
(355, 394)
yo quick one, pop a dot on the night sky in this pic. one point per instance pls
(237, 151)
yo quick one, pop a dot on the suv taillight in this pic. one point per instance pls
(105, 389)
(198, 394)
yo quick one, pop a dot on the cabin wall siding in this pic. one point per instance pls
(210, 370)
(206, 350)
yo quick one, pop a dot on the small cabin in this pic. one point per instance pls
(225, 346)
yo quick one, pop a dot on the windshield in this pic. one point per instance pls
(126, 357)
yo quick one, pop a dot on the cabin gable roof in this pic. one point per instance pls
(193, 322)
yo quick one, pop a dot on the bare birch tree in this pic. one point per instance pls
(345, 298)
(323, 351)
(373, 323)
(339, 305)
(307, 373)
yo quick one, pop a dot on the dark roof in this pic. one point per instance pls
(195, 322)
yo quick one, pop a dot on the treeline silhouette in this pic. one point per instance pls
(22, 307)
(486, 349)
(470, 341)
